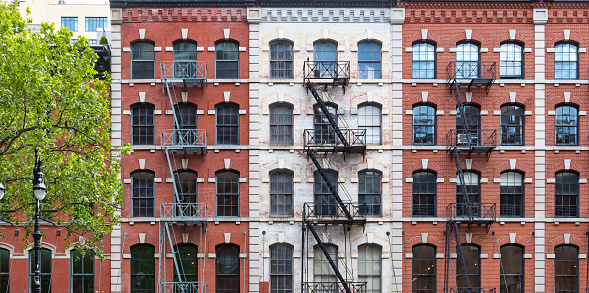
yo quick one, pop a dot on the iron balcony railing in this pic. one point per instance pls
(424, 210)
(326, 70)
(183, 287)
(478, 211)
(183, 211)
(471, 138)
(332, 211)
(333, 287)
(328, 137)
(472, 290)
(183, 69)
(471, 70)
(184, 137)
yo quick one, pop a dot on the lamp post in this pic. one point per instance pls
(39, 191)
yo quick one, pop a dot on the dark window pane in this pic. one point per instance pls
(370, 267)
(45, 267)
(512, 264)
(369, 118)
(325, 202)
(424, 194)
(227, 268)
(566, 194)
(227, 117)
(512, 125)
(566, 269)
(424, 269)
(227, 184)
(142, 268)
(227, 60)
(142, 60)
(281, 269)
(369, 192)
(142, 124)
(142, 194)
(512, 195)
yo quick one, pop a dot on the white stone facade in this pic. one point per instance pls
(347, 27)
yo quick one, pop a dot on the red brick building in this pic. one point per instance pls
(186, 182)
(521, 72)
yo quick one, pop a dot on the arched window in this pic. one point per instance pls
(82, 269)
(281, 119)
(370, 267)
(324, 132)
(227, 268)
(424, 194)
(511, 60)
(184, 57)
(142, 60)
(187, 189)
(45, 267)
(512, 124)
(281, 190)
(186, 255)
(325, 57)
(567, 194)
(512, 269)
(142, 194)
(566, 269)
(512, 194)
(142, 124)
(472, 259)
(4, 270)
(325, 203)
(369, 192)
(369, 118)
(424, 268)
(226, 59)
(473, 188)
(281, 268)
(424, 60)
(281, 59)
(566, 125)
(227, 124)
(142, 268)
(227, 183)
(185, 131)
(368, 60)
(467, 60)
(424, 124)
(566, 60)
(323, 272)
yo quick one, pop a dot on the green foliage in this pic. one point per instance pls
(103, 41)
(49, 99)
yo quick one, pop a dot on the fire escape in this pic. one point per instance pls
(180, 142)
(329, 213)
(465, 142)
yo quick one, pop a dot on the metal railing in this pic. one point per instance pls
(424, 210)
(184, 137)
(183, 69)
(332, 211)
(183, 211)
(328, 137)
(478, 211)
(333, 287)
(471, 138)
(183, 287)
(472, 290)
(326, 70)
(472, 69)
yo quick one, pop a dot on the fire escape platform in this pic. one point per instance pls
(184, 72)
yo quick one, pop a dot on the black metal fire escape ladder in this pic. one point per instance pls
(464, 209)
(333, 189)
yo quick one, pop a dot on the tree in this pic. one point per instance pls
(103, 41)
(50, 99)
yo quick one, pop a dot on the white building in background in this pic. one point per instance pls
(89, 18)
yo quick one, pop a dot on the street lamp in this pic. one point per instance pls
(39, 191)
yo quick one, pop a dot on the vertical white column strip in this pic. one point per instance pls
(540, 19)
(397, 20)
